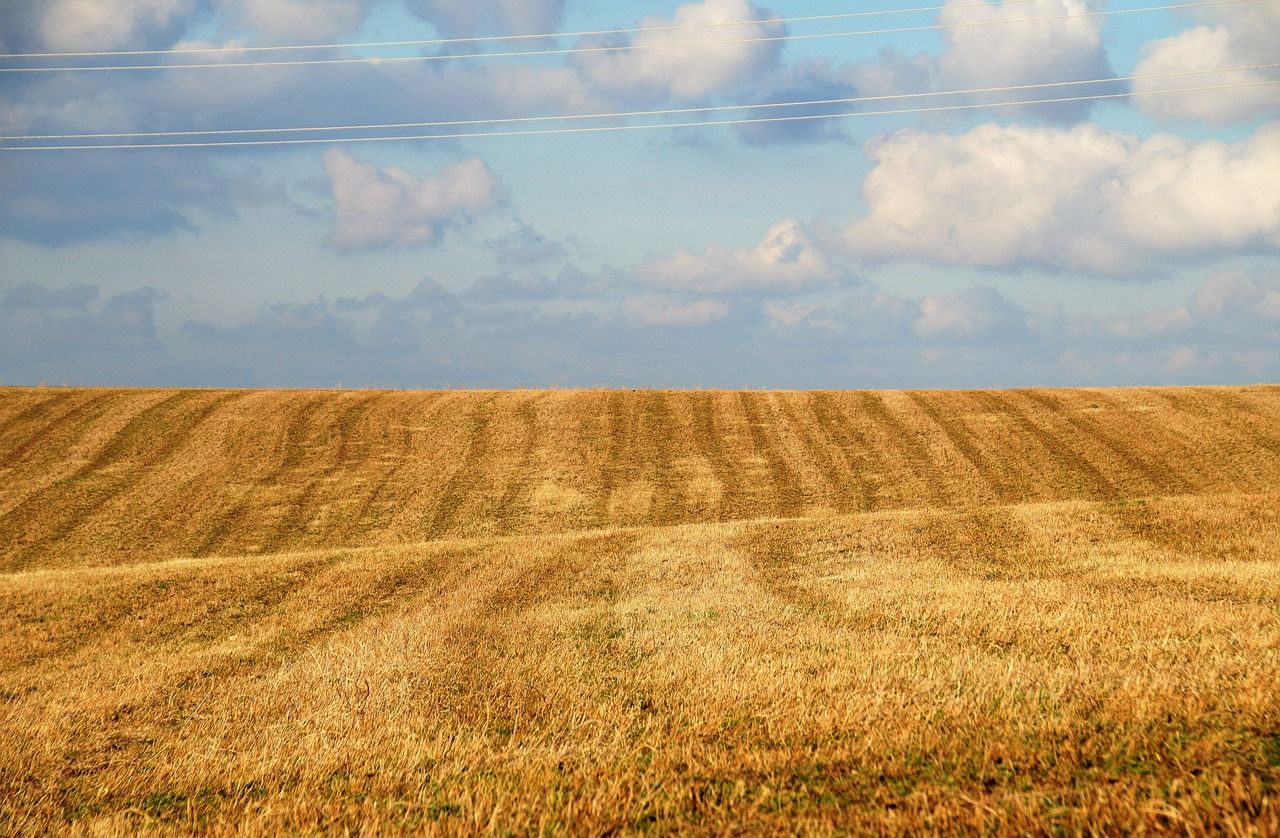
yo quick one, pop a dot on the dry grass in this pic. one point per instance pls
(1033, 611)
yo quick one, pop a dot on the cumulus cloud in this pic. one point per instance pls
(998, 52)
(655, 72)
(1083, 198)
(392, 207)
(1233, 36)
(373, 325)
(87, 195)
(785, 261)
(1004, 53)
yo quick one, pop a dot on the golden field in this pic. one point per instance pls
(588, 612)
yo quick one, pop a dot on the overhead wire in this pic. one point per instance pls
(849, 100)
(632, 127)
(617, 48)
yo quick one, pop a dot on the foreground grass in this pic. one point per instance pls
(1074, 666)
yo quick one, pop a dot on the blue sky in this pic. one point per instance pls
(1133, 241)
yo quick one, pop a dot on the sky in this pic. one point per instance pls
(1134, 240)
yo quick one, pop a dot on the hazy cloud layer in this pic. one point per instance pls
(64, 335)
(295, 21)
(1227, 331)
(491, 17)
(57, 200)
(659, 310)
(83, 25)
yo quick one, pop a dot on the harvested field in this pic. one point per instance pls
(630, 611)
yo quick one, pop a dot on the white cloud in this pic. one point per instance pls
(391, 207)
(786, 260)
(1235, 36)
(1080, 199)
(997, 52)
(658, 310)
(686, 72)
(94, 24)
(297, 21)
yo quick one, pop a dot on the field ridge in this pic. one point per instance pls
(169, 472)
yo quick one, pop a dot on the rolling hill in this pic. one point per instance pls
(628, 611)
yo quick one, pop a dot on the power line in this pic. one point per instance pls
(627, 114)
(643, 127)
(488, 38)
(622, 48)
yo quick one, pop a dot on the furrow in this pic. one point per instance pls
(1068, 462)
(77, 419)
(32, 413)
(961, 439)
(785, 483)
(88, 491)
(658, 437)
(615, 445)
(367, 519)
(709, 439)
(292, 454)
(818, 452)
(1160, 479)
(852, 445)
(1235, 414)
(513, 506)
(294, 525)
(468, 474)
(908, 445)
